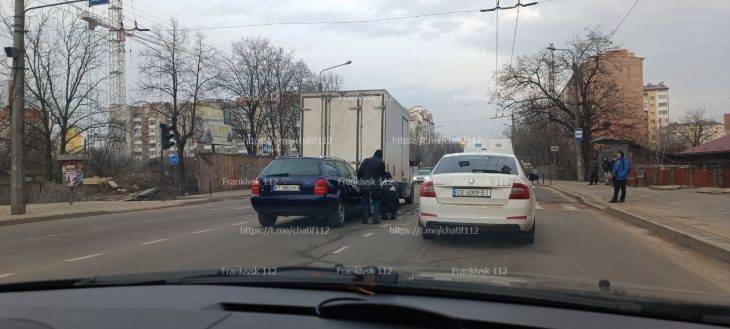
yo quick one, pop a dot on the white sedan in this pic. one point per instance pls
(468, 193)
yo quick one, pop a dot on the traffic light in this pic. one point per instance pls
(166, 136)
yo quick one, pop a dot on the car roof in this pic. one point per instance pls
(481, 153)
(313, 158)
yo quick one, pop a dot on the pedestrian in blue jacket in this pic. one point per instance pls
(621, 170)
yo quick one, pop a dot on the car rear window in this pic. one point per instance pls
(477, 163)
(424, 172)
(292, 167)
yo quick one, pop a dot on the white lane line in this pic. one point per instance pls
(184, 216)
(538, 205)
(241, 223)
(367, 235)
(340, 250)
(385, 225)
(5, 275)
(150, 221)
(241, 208)
(154, 241)
(83, 257)
(568, 207)
(202, 231)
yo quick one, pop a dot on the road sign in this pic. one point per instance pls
(98, 2)
(579, 134)
(554, 148)
(174, 159)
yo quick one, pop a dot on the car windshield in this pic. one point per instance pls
(537, 144)
(476, 163)
(292, 167)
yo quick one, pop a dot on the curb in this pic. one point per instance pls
(104, 212)
(676, 236)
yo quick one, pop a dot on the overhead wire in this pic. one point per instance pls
(623, 19)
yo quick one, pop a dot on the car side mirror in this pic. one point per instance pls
(533, 177)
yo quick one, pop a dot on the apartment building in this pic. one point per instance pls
(656, 110)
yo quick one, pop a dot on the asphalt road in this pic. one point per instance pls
(571, 241)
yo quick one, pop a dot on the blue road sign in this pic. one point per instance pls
(98, 2)
(174, 159)
(579, 134)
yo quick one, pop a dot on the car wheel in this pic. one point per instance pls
(409, 199)
(337, 218)
(267, 219)
(426, 234)
(529, 236)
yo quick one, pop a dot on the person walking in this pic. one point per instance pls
(621, 170)
(607, 169)
(370, 175)
(594, 173)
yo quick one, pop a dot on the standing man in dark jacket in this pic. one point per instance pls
(607, 169)
(594, 173)
(370, 174)
(621, 170)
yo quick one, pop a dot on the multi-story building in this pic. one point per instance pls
(624, 71)
(421, 124)
(656, 110)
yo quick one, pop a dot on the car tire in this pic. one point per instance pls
(425, 234)
(409, 199)
(267, 220)
(337, 218)
(529, 236)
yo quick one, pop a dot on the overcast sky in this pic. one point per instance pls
(445, 63)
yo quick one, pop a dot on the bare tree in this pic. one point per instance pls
(247, 79)
(696, 128)
(180, 68)
(574, 86)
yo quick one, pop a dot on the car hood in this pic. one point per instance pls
(486, 275)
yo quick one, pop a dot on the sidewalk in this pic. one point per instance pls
(698, 220)
(51, 211)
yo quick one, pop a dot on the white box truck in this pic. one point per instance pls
(493, 145)
(351, 125)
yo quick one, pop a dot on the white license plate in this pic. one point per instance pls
(472, 192)
(286, 188)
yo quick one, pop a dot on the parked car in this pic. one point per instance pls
(420, 175)
(324, 187)
(489, 191)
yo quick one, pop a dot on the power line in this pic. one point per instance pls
(514, 36)
(623, 19)
(356, 21)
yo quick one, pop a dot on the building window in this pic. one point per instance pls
(152, 145)
(153, 153)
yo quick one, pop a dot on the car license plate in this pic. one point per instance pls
(286, 188)
(472, 192)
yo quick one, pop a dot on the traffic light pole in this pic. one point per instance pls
(163, 195)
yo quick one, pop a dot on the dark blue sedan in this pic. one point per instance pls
(292, 186)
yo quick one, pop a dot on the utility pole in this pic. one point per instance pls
(17, 120)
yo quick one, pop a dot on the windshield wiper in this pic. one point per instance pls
(489, 171)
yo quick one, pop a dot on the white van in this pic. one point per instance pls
(491, 145)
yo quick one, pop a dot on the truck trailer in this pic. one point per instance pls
(351, 125)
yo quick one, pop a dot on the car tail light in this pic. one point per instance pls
(519, 192)
(427, 190)
(255, 187)
(428, 214)
(517, 217)
(320, 186)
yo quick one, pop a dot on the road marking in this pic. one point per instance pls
(5, 275)
(82, 257)
(150, 221)
(241, 208)
(367, 235)
(241, 223)
(154, 241)
(202, 231)
(385, 225)
(538, 205)
(184, 216)
(341, 249)
(568, 207)
(100, 228)
(51, 235)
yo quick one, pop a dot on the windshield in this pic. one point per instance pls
(292, 167)
(548, 144)
(476, 163)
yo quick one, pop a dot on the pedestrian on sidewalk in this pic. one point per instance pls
(621, 170)
(370, 174)
(607, 169)
(594, 173)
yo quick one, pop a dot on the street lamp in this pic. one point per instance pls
(329, 68)
(579, 148)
